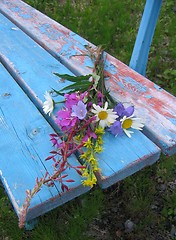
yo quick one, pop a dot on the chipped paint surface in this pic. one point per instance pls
(124, 83)
(156, 106)
(151, 102)
(8, 190)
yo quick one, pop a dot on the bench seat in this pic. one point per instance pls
(33, 47)
(32, 67)
(153, 103)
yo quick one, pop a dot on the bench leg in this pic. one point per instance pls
(144, 38)
(30, 225)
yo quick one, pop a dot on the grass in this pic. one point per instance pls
(113, 24)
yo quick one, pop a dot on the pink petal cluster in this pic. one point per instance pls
(70, 115)
(73, 99)
(65, 120)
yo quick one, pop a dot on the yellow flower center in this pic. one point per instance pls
(102, 115)
(127, 123)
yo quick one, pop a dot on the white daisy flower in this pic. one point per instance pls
(105, 116)
(48, 105)
(131, 122)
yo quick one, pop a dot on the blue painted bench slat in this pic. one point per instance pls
(24, 146)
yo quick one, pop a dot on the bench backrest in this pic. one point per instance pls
(145, 34)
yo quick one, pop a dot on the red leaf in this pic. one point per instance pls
(70, 180)
(64, 187)
(64, 176)
(48, 158)
(53, 135)
(79, 172)
(81, 167)
(53, 152)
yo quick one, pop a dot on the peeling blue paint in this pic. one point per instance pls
(25, 15)
(80, 40)
(110, 67)
(88, 62)
(121, 85)
(149, 96)
(140, 87)
(68, 51)
(172, 120)
(21, 13)
(50, 32)
(15, 9)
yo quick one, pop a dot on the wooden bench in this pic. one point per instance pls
(32, 47)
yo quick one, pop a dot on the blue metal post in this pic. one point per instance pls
(144, 38)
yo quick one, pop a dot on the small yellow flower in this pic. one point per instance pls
(98, 148)
(88, 144)
(89, 182)
(78, 138)
(92, 159)
(83, 155)
(85, 173)
(99, 131)
(99, 140)
(96, 169)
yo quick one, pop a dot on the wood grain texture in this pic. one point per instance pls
(24, 145)
(154, 104)
(31, 66)
(124, 156)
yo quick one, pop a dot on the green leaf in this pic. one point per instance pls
(58, 92)
(78, 86)
(73, 78)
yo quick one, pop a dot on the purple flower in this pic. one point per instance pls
(70, 100)
(73, 99)
(122, 111)
(79, 110)
(64, 119)
(116, 128)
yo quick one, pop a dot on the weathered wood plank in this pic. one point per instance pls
(124, 157)
(24, 145)
(31, 65)
(154, 104)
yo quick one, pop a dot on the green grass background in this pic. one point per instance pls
(114, 24)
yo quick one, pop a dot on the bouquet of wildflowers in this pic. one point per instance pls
(88, 112)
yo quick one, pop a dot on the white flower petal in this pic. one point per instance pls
(48, 105)
(102, 123)
(128, 132)
(106, 105)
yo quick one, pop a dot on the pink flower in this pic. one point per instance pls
(64, 119)
(70, 100)
(73, 99)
